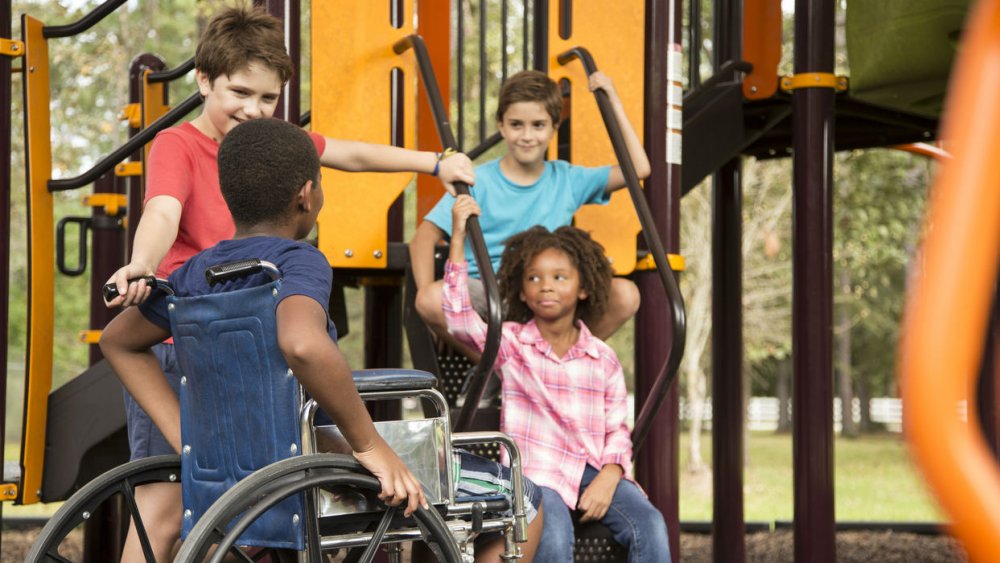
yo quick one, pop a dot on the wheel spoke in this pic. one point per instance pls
(128, 491)
(383, 526)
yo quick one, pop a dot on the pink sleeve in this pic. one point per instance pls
(463, 321)
(618, 439)
(170, 168)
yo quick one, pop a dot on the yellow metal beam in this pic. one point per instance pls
(111, 202)
(11, 47)
(646, 263)
(41, 259)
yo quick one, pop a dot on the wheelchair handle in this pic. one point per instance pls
(239, 269)
(110, 290)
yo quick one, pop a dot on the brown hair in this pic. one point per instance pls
(586, 255)
(239, 36)
(531, 86)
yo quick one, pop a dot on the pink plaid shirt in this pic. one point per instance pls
(563, 413)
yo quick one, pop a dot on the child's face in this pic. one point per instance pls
(246, 94)
(527, 128)
(551, 285)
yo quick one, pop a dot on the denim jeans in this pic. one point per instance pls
(632, 519)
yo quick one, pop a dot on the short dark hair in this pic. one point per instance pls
(531, 86)
(586, 255)
(263, 163)
(241, 35)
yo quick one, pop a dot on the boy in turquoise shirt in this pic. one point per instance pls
(521, 190)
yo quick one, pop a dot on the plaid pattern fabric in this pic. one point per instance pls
(476, 476)
(563, 413)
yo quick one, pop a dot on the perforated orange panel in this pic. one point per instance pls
(352, 62)
(613, 33)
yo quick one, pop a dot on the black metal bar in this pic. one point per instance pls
(6, 105)
(540, 29)
(460, 71)
(490, 142)
(483, 64)
(171, 74)
(694, 49)
(84, 23)
(652, 237)
(524, 36)
(812, 287)
(133, 144)
(478, 379)
(725, 72)
(503, 42)
(305, 118)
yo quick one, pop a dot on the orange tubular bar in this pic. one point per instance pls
(925, 149)
(947, 310)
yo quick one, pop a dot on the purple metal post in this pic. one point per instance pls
(288, 11)
(812, 287)
(656, 465)
(728, 528)
(5, 109)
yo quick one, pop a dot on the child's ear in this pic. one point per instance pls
(204, 84)
(583, 295)
(521, 295)
(304, 197)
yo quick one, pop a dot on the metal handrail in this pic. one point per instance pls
(171, 74)
(83, 24)
(133, 144)
(480, 375)
(661, 385)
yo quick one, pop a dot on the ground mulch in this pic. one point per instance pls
(761, 547)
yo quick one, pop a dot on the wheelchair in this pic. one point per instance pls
(263, 480)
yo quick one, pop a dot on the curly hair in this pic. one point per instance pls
(241, 35)
(263, 163)
(586, 255)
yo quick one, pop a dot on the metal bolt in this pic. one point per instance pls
(753, 89)
(289, 373)
(349, 253)
(86, 515)
(295, 519)
(274, 292)
(186, 449)
(15, 47)
(184, 380)
(293, 449)
(170, 307)
(378, 254)
(172, 477)
(31, 69)
(187, 514)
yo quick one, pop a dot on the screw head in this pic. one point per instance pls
(186, 449)
(86, 515)
(187, 514)
(349, 253)
(295, 519)
(293, 449)
(184, 380)
(377, 253)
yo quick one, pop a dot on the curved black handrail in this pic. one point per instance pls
(490, 142)
(171, 74)
(84, 23)
(133, 144)
(479, 377)
(661, 385)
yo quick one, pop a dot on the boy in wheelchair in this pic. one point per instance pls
(269, 176)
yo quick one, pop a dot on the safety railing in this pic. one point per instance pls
(481, 373)
(661, 384)
(948, 307)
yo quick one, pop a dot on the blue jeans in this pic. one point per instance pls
(632, 519)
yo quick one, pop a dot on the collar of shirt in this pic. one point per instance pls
(586, 344)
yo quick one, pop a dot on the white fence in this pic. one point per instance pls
(762, 413)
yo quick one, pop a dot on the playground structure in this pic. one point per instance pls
(745, 108)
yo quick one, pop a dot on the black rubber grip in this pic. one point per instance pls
(111, 290)
(231, 270)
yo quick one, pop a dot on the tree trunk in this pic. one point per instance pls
(784, 397)
(696, 412)
(848, 428)
(864, 397)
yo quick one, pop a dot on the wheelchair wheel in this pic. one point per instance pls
(121, 480)
(234, 511)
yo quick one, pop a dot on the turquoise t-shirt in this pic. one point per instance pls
(510, 208)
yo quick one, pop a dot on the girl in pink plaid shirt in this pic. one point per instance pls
(564, 397)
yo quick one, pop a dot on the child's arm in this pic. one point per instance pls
(322, 370)
(616, 179)
(422, 246)
(154, 236)
(126, 343)
(596, 498)
(616, 457)
(355, 156)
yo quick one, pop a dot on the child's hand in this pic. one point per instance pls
(130, 293)
(464, 208)
(456, 168)
(596, 498)
(398, 484)
(602, 81)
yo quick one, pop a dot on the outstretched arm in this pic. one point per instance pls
(356, 156)
(616, 179)
(154, 236)
(322, 370)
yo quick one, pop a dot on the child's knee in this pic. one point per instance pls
(625, 297)
(428, 303)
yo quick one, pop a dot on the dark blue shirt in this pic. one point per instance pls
(304, 271)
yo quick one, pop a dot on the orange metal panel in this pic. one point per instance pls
(351, 68)
(761, 47)
(950, 297)
(41, 250)
(434, 25)
(615, 38)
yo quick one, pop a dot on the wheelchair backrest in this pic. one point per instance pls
(239, 404)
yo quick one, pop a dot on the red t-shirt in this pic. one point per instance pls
(183, 165)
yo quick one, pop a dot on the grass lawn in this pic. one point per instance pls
(874, 480)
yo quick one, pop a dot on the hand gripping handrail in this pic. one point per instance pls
(480, 375)
(951, 293)
(661, 385)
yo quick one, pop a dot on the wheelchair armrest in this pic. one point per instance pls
(369, 380)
